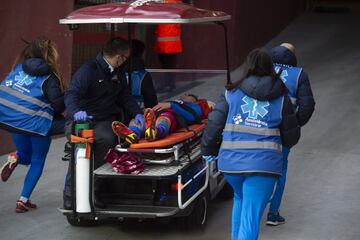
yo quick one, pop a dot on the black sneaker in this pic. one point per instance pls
(67, 152)
(274, 219)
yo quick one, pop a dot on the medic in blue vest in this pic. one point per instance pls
(31, 104)
(298, 84)
(296, 80)
(250, 124)
(141, 85)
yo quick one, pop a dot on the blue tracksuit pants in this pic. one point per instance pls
(31, 151)
(280, 186)
(251, 195)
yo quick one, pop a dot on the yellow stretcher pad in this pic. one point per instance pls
(180, 135)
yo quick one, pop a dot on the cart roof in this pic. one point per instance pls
(143, 11)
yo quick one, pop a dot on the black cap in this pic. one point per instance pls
(282, 55)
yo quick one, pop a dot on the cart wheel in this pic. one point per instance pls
(198, 217)
(78, 222)
(226, 192)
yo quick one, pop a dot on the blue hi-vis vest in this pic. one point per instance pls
(23, 106)
(136, 81)
(290, 76)
(251, 137)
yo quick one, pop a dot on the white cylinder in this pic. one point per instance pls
(82, 181)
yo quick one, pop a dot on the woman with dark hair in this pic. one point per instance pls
(31, 104)
(245, 132)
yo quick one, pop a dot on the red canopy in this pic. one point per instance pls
(143, 11)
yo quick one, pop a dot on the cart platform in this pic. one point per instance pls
(154, 170)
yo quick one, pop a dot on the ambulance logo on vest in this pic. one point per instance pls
(284, 74)
(8, 83)
(237, 119)
(254, 109)
(23, 79)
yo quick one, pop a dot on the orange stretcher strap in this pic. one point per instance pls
(87, 136)
(180, 135)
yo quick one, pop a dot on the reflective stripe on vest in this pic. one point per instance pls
(258, 131)
(290, 76)
(24, 97)
(251, 145)
(168, 38)
(22, 103)
(25, 110)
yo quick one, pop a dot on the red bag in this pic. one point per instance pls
(126, 163)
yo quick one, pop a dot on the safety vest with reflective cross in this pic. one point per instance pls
(23, 105)
(290, 76)
(136, 80)
(251, 138)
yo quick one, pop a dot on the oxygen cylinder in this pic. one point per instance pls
(82, 170)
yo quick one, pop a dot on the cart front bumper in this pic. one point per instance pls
(129, 212)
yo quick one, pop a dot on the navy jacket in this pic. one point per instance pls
(99, 92)
(260, 88)
(305, 99)
(51, 89)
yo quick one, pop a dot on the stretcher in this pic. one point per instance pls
(169, 149)
(180, 135)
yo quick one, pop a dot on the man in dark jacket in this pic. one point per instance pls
(97, 93)
(298, 84)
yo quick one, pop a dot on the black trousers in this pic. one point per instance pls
(168, 61)
(104, 140)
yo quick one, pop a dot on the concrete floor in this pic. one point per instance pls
(322, 198)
